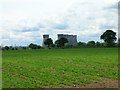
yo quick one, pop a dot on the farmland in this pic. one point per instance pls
(59, 68)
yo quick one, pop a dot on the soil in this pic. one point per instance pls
(104, 83)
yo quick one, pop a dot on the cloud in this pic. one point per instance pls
(30, 29)
(61, 26)
(105, 26)
(24, 22)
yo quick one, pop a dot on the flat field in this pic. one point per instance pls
(60, 68)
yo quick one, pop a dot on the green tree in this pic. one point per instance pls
(6, 48)
(48, 42)
(34, 46)
(24, 48)
(57, 43)
(81, 44)
(109, 38)
(75, 45)
(68, 45)
(38, 46)
(91, 44)
(53, 45)
(98, 44)
(61, 42)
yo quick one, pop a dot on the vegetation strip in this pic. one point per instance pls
(59, 68)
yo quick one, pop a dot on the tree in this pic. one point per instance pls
(57, 43)
(98, 44)
(109, 38)
(12, 48)
(48, 42)
(6, 48)
(34, 46)
(75, 45)
(61, 42)
(53, 45)
(91, 44)
(81, 44)
(38, 46)
(68, 45)
(24, 48)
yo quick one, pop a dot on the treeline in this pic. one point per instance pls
(89, 44)
(31, 46)
(63, 43)
(108, 36)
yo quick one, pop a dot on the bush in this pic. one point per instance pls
(34, 46)
(68, 45)
(6, 48)
(91, 44)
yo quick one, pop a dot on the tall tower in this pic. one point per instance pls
(45, 36)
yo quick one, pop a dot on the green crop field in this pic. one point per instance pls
(57, 68)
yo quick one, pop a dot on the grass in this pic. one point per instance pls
(58, 67)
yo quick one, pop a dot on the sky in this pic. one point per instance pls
(25, 21)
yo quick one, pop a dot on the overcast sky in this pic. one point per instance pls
(25, 21)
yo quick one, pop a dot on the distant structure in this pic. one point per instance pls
(72, 39)
(45, 36)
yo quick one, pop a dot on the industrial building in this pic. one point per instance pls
(72, 39)
(45, 36)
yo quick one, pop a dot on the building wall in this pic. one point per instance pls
(72, 39)
(46, 36)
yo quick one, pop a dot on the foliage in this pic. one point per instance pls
(48, 42)
(34, 46)
(98, 44)
(109, 38)
(68, 45)
(6, 48)
(81, 44)
(61, 42)
(25, 47)
(91, 44)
